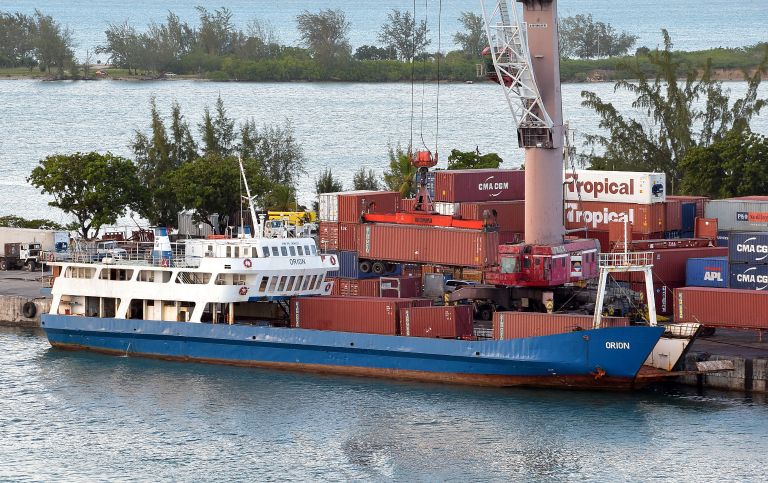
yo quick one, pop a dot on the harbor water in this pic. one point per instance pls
(83, 416)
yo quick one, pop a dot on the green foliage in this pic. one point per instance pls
(680, 115)
(218, 132)
(281, 197)
(371, 52)
(326, 183)
(401, 174)
(473, 39)
(473, 160)
(401, 34)
(582, 37)
(736, 165)
(365, 180)
(325, 34)
(94, 188)
(13, 221)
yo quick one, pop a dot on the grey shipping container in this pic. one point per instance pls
(738, 215)
(745, 276)
(751, 247)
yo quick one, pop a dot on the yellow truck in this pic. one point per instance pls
(293, 217)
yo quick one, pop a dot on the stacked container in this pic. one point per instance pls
(722, 307)
(707, 272)
(450, 322)
(370, 315)
(516, 325)
(748, 257)
(457, 186)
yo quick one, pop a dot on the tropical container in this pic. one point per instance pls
(615, 186)
(750, 247)
(707, 272)
(739, 215)
(516, 325)
(458, 186)
(449, 322)
(650, 218)
(722, 307)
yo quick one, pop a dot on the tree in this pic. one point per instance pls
(94, 188)
(472, 39)
(281, 197)
(473, 160)
(219, 132)
(122, 46)
(401, 34)
(13, 221)
(582, 37)
(54, 45)
(680, 115)
(326, 36)
(276, 149)
(326, 183)
(365, 180)
(401, 174)
(17, 40)
(371, 52)
(737, 165)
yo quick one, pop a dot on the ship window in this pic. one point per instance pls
(265, 251)
(299, 282)
(263, 284)
(306, 283)
(537, 261)
(210, 248)
(311, 282)
(229, 251)
(319, 281)
(293, 251)
(307, 250)
(314, 249)
(300, 250)
(238, 279)
(221, 279)
(281, 286)
(509, 265)
(237, 252)
(193, 278)
(272, 284)
(275, 252)
(284, 251)
(146, 276)
(291, 282)
(254, 252)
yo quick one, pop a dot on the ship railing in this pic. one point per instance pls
(626, 259)
(136, 253)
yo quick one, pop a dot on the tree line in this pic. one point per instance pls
(35, 41)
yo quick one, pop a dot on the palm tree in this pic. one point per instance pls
(402, 173)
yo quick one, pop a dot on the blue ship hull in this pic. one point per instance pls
(607, 358)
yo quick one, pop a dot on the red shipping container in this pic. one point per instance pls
(456, 186)
(596, 215)
(674, 215)
(722, 307)
(400, 287)
(600, 236)
(418, 244)
(705, 228)
(336, 290)
(348, 314)
(352, 205)
(510, 215)
(407, 204)
(700, 202)
(663, 294)
(511, 237)
(411, 270)
(328, 235)
(516, 325)
(359, 287)
(669, 264)
(442, 322)
(347, 237)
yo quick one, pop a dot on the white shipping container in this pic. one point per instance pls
(445, 208)
(328, 204)
(616, 186)
(738, 215)
(46, 238)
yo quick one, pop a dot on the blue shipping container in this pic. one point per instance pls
(722, 238)
(686, 234)
(707, 272)
(745, 276)
(349, 267)
(748, 248)
(689, 216)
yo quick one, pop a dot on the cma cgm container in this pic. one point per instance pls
(739, 215)
(348, 314)
(516, 325)
(748, 247)
(745, 276)
(457, 186)
(352, 205)
(597, 215)
(419, 244)
(615, 186)
(510, 215)
(722, 307)
(707, 272)
(443, 322)
(669, 264)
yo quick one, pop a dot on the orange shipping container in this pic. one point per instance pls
(596, 215)
(517, 325)
(352, 205)
(443, 322)
(722, 307)
(510, 215)
(348, 236)
(328, 235)
(362, 314)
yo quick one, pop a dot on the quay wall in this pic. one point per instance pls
(12, 313)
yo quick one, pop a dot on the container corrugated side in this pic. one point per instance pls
(400, 287)
(479, 185)
(749, 247)
(328, 204)
(669, 264)
(416, 244)
(442, 322)
(356, 287)
(510, 215)
(674, 215)
(352, 205)
(407, 204)
(348, 236)
(596, 216)
(328, 235)
(707, 272)
(747, 276)
(699, 201)
(516, 325)
(368, 315)
(722, 307)
(736, 215)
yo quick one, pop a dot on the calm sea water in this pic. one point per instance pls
(693, 24)
(80, 416)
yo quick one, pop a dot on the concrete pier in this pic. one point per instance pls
(16, 289)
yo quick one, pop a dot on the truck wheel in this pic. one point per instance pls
(3, 265)
(365, 266)
(378, 268)
(30, 266)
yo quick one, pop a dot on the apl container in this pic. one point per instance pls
(739, 215)
(615, 186)
(722, 307)
(748, 247)
(707, 272)
(516, 325)
(457, 186)
(442, 322)
(745, 276)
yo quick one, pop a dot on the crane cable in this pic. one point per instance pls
(439, 47)
(424, 79)
(413, 55)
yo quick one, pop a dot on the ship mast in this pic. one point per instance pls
(257, 228)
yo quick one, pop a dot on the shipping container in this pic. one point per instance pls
(407, 204)
(411, 270)
(352, 205)
(511, 237)
(663, 295)
(516, 325)
(328, 204)
(705, 228)
(189, 228)
(328, 236)
(688, 212)
(669, 264)
(347, 239)
(457, 186)
(336, 290)
(509, 215)
(430, 182)
(417, 244)
(739, 215)
(707, 272)
(351, 287)
(615, 186)
(674, 216)
(596, 216)
(349, 267)
(445, 208)
(370, 315)
(722, 307)
(748, 247)
(450, 322)
(746, 276)
(698, 201)
(400, 287)
(723, 238)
